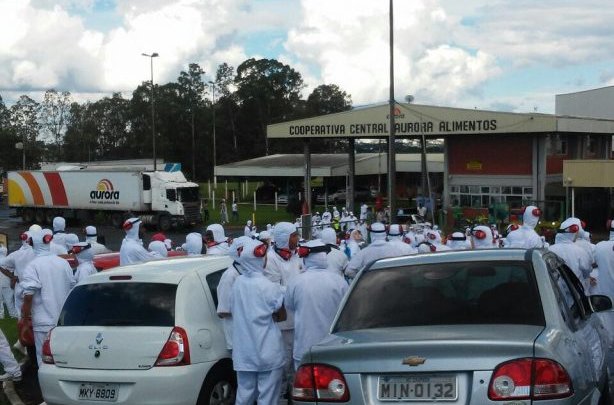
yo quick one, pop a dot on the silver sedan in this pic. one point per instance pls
(473, 327)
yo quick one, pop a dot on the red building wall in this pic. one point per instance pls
(494, 155)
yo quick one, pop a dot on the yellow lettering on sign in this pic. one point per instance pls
(474, 165)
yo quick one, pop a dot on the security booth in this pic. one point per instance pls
(490, 158)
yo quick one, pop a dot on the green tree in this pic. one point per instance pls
(327, 99)
(25, 124)
(191, 89)
(54, 113)
(267, 91)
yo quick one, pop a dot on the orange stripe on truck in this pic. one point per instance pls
(56, 186)
(37, 194)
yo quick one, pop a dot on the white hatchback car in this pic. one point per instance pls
(141, 334)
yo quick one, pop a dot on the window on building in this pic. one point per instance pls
(484, 196)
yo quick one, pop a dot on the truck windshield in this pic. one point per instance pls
(188, 194)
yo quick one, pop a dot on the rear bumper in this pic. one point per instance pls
(158, 385)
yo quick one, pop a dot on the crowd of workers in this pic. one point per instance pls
(281, 293)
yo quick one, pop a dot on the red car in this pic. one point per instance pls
(107, 261)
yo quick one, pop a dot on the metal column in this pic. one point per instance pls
(351, 174)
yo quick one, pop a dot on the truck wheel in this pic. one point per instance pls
(117, 220)
(164, 223)
(39, 216)
(28, 215)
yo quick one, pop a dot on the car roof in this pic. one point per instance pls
(455, 256)
(171, 270)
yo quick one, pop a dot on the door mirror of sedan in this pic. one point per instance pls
(600, 303)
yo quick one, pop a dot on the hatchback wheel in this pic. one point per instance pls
(220, 388)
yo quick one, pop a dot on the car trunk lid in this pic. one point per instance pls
(110, 348)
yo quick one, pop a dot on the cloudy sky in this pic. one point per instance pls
(511, 55)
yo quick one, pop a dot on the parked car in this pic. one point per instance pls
(471, 327)
(141, 334)
(360, 194)
(105, 261)
(282, 198)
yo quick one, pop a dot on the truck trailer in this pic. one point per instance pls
(160, 198)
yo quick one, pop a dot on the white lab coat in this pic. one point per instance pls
(604, 257)
(18, 261)
(97, 248)
(530, 238)
(132, 252)
(48, 279)
(378, 249)
(573, 255)
(257, 343)
(315, 296)
(218, 249)
(224, 299)
(282, 272)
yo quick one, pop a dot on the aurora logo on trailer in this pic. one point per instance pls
(104, 191)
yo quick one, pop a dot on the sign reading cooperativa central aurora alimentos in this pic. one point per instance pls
(412, 120)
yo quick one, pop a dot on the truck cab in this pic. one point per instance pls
(175, 200)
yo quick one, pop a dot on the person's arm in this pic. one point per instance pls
(26, 308)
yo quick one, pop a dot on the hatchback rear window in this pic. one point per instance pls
(120, 304)
(443, 294)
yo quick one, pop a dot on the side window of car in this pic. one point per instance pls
(213, 280)
(577, 289)
(565, 298)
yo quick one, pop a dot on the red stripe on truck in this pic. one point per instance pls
(37, 194)
(56, 186)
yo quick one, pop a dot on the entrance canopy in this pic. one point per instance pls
(327, 165)
(588, 173)
(416, 120)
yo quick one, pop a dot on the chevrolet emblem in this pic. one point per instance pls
(413, 361)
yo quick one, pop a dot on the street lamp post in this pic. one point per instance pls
(153, 110)
(212, 84)
(392, 172)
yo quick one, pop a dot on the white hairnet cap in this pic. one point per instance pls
(218, 232)
(158, 247)
(395, 230)
(282, 232)
(237, 244)
(70, 240)
(90, 231)
(59, 224)
(35, 228)
(328, 236)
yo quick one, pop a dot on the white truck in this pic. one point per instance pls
(160, 198)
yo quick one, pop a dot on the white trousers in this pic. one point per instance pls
(263, 386)
(6, 357)
(8, 297)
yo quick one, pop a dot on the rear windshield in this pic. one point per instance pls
(443, 294)
(120, 304)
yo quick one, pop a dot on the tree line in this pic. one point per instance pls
(239, 103)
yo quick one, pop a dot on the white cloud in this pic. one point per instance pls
(349, 42)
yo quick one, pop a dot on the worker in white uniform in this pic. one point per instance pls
(458, 241)
(70, 239)
(91, 236)
(132, 250)
(482, 237)
(572, 254)
(216, 240)
(353, 242)
(337, 260)
(247, 230)
(604, 258)
(193, 244)
(282, 265)
(58, 246)
(46, 283)
(395, 237)
(314, 296)
(378, 249)
(158, 248)
(257, 355)
(434, 238)
(18, 261)
(530, 219)
(224, 287)
(12, 371)
(7, 296)
(85, 257)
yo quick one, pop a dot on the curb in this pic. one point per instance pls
(9, 391)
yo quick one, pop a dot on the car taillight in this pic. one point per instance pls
(319, 382)
(47, 357)
(529, 379)
(176, 350)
